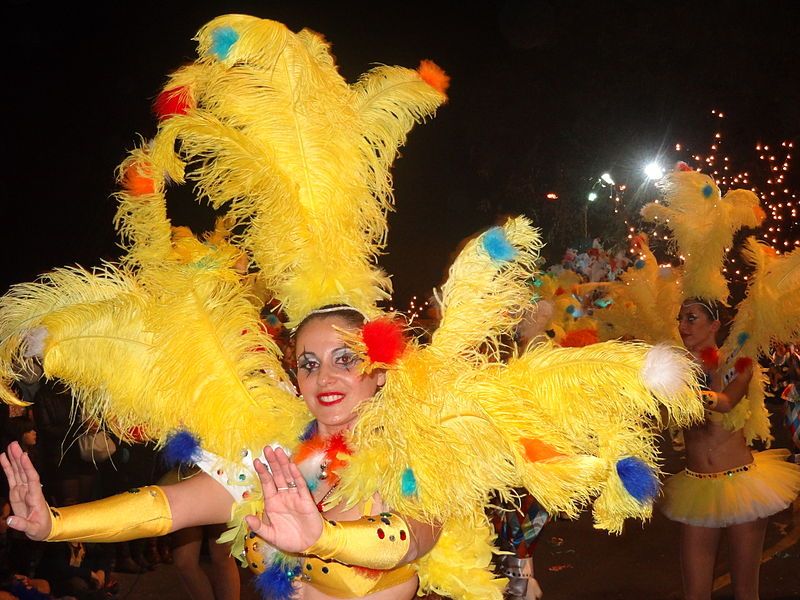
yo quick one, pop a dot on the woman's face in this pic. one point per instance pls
(696, 327)
(328, 374)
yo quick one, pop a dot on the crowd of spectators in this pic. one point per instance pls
(54, 435)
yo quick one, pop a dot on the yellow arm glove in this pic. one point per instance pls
(375, 542)
(138, 513)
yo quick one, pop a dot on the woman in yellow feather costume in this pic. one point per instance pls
(726, 486)
(397, 447)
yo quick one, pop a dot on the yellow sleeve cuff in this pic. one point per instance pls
(138, 513)
(375, 542)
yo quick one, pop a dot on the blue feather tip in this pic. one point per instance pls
(182, 448)
(497, 245)
(408, 483)
(223, 39)
(638, 478)
(275, 583)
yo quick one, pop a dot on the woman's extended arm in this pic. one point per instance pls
(727, 399)
(112, 519)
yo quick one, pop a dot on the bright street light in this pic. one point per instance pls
(653, 171)
(607, 178)
(592, 196)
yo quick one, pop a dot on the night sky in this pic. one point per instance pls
(545, 96)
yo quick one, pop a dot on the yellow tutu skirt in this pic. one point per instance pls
(766, 486)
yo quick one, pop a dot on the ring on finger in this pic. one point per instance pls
(291, 484)
(282, 489)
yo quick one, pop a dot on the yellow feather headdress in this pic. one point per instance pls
(703, 222)
(300, 158)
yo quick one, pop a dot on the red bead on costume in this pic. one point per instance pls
(381, 533)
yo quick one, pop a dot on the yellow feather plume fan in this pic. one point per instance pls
(643, 301)
(271, 129)
(769, 311)
(587, 410)
(703, 223)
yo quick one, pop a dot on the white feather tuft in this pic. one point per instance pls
(665, 370)
(310, 468)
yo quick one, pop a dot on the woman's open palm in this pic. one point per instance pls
(31, 513)
(291, 521)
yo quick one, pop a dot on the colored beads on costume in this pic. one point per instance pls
(728, 473)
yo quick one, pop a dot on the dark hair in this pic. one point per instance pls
(350, 315)
(711, 307)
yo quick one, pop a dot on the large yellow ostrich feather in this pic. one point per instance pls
(276, 132)
(644, 299)
(703, 223)
(769, 311)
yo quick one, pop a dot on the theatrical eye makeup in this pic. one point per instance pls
(345, 358)
(342, 358)
(691, 317)
(307, 362)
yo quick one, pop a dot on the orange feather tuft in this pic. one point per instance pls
(434, 76)
(538, 450)
(136, 182)
(580, 338)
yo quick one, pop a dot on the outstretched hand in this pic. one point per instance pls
(31, 513)
(291, 521)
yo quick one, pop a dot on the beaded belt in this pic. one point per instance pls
(727, 473)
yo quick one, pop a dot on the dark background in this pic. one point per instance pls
(545, 97)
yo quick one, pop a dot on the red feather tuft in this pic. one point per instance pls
(742, 364)
(580, 338)
(335, 447)
(175, 101)
(137, 183)
(682, 166)
(137, 434)
(710, 358)
(434, 75)
(384, 340)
